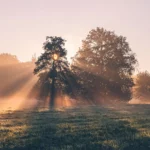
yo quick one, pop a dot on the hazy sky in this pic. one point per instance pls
(24, 24)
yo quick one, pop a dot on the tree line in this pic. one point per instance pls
(101, 71)
(13, 74)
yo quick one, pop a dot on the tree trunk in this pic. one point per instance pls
(52, 98)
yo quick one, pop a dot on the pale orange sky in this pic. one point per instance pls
(24, 24)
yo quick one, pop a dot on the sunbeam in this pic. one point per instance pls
(18, 100)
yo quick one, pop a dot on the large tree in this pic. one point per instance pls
(104, 65)
(53, 69)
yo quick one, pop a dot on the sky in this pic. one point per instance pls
(24, 24)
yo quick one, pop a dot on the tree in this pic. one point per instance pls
(142, 86)
(53, 69)
(104, 65)
(8, 59)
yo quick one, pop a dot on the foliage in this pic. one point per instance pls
(53, 45)
(104, 65)
(8, 59)
(142, 85)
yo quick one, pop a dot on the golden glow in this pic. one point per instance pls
(139, 101)
(55, 57)
(19, 100)
(14, 91)
(64, 101)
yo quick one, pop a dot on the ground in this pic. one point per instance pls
(125, 127)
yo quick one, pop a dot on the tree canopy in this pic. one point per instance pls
(142, 86)
(104, 65)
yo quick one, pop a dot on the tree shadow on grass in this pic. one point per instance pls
(77, 128)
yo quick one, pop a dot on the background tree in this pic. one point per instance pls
(13, 74)
(53, 69)
(104, 65)
(142, 86)
(8, 59)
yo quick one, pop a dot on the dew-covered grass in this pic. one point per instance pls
(121, 127)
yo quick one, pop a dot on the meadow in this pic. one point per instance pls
(115, 127)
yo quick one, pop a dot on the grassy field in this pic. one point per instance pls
(125, 127)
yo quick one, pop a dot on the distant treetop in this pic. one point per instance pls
(8, 59)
